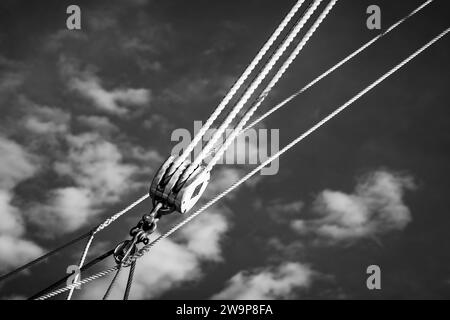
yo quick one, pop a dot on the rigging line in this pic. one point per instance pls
(147, 247)
(64, 280)
(102, 226)
(113, 282)
(116, 276)
(333, 68)
(336, 66)
(75, 284)
(116, 216)
(237, 84)
(254, 85)
(83, 258)
(272, 83)
(45, 256)
(129, 281)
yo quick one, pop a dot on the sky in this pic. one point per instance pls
(88, 117)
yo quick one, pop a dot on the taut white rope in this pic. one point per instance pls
(249, 92)
(238, 84)
(237, 130)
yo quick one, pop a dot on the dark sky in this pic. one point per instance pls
(87, 118)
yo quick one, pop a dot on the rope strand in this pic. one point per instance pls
(64, 279)
(147, 247)
(129, 281)
(249, 92)
(76, 284)
(271, 84)
(237, 85)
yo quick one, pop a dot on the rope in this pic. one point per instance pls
(113, 218)
(48, 254)
(80, 265)
(112, 284)
(114, 280)
(64, 279)
(147, 247)
(237, 85)
(76, 284)
(332, 69)
(249, 92)
(271, 84)
(129, 281)
(336, 66)
(102, 226)
(91, 234)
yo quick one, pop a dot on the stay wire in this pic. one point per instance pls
(335, 67)
(113, 283)
(45, 256)
(76, 284)
(90, 234)
(129, 281)
(63, 280)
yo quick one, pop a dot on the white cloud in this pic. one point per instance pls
(376, 206)
(96, 164)
(221, 179)
(15, 251)
(11, 221)
(16, 165)
(99, 175)
(205, 241)
(67, 210)
(269, 283)
(98, 123)
(94, 171)
(115, 101)
(46, 120)
(283, 212)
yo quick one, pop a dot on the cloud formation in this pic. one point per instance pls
(114, 101)
(16, 165)
(99, 177)
(268, 283)
(376, 206)
(46, 120)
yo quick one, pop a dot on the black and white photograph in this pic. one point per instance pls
(224, 155)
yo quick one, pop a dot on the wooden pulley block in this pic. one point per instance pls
(174, 194)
